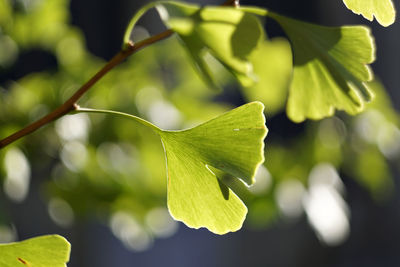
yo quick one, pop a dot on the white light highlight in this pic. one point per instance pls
(130, 232)
(61, 212)
(18, 174)
(263, 181)
(114, 157)
(289, 194)
(327, 212)
(145, 97)
(161, 223)
(73, 127)
(74, 156)
(7, 234)
(139, 33)
(164, 115)
(389, 141)
(368, 125)
(325, 174)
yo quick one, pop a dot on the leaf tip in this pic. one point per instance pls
(212, 228)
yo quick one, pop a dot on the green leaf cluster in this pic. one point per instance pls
(330, 64)
(218, 31)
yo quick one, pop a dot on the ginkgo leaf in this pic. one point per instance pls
(229, 34)
(330, 68)
(233, 143)
(42, 251)
(382, 10)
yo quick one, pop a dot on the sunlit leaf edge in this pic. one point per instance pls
(385, 16)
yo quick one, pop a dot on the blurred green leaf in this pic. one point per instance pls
(272, 62)
(233, 143)
(383, 102)
(42, 24)
(372, 171)
(8, 51)
(382, 10)
(330, 68)
(5, 13)
(330, 134)
(262, 213)
(229, 34)
(43, 251)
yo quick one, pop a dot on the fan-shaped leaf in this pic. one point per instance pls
(382, 10)
(233, 143)
(330, 68)
(43, 251)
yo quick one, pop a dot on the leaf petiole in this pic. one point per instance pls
(134, 20)
(121, 114)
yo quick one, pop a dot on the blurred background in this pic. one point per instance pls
(327, 194)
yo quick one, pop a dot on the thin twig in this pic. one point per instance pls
(70, 104)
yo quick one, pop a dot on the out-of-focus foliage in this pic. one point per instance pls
(43, 251)
(210, 33)
(218, 31)
(382, 10)
(104, 167)
(38, 23)
(272, 62)
(359, 147)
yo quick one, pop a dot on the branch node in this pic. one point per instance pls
(130, 45)
(234, 3)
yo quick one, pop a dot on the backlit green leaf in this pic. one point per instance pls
(382, 10)
(272, 62)
(229, 34)
(43, 251)
(233, 143)
(330, 68)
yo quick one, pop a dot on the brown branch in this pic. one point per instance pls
(70, 104)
